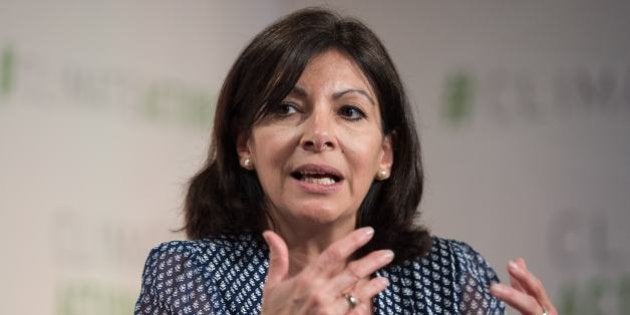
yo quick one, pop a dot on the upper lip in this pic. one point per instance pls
(317, 169)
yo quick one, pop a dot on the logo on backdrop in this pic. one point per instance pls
(511, 95)
(7, 61)
(42, 83)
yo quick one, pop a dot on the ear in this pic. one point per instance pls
(242, 146)
(387, 155)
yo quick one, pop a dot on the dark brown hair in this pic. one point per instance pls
(224, 198)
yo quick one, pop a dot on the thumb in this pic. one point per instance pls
(278, 258)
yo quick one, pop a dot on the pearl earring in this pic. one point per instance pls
(247, 163)
(382, 174)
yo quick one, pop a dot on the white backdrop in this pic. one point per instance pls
(105, 109)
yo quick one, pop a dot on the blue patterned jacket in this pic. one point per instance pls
(225, 275)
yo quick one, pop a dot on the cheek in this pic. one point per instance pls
(363, 154)
(271, 150)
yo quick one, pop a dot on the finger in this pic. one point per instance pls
(361, 309)
(278, 258)
(522, 302)
(363, 293)
(366, 293)
(373, 287)
(341, 305)
(338, 252)
(360, 269)
(513, 281)
(530, 283)
(515, 284)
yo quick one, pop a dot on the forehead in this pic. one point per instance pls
(335, 71)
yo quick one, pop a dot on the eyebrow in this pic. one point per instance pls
(362, 92)
(302, 93)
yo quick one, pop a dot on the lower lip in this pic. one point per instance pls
(315, 188)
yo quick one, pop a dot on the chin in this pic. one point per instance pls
(322, 215)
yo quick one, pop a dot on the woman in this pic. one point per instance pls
(308, 198)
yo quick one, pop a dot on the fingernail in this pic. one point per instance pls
(387, 255)
(368, 230)
(512, 265)
(384, 281)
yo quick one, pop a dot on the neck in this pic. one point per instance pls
(306, 241)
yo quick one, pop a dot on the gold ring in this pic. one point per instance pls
(352, 300)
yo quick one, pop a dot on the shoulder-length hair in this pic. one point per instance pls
(223, 198)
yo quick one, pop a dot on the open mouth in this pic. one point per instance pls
(315, 174)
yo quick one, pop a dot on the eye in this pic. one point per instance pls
(284, 109)
(350, 112)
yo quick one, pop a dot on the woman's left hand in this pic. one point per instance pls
(525, 293)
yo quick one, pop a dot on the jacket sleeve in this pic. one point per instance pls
(178, 280)
(149, 301)
(474, 277)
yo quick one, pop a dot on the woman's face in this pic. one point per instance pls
(317, 153)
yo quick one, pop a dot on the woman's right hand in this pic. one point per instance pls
(322, 287)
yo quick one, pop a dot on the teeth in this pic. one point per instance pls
(320, 181)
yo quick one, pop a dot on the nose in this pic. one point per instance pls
(318, 135)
